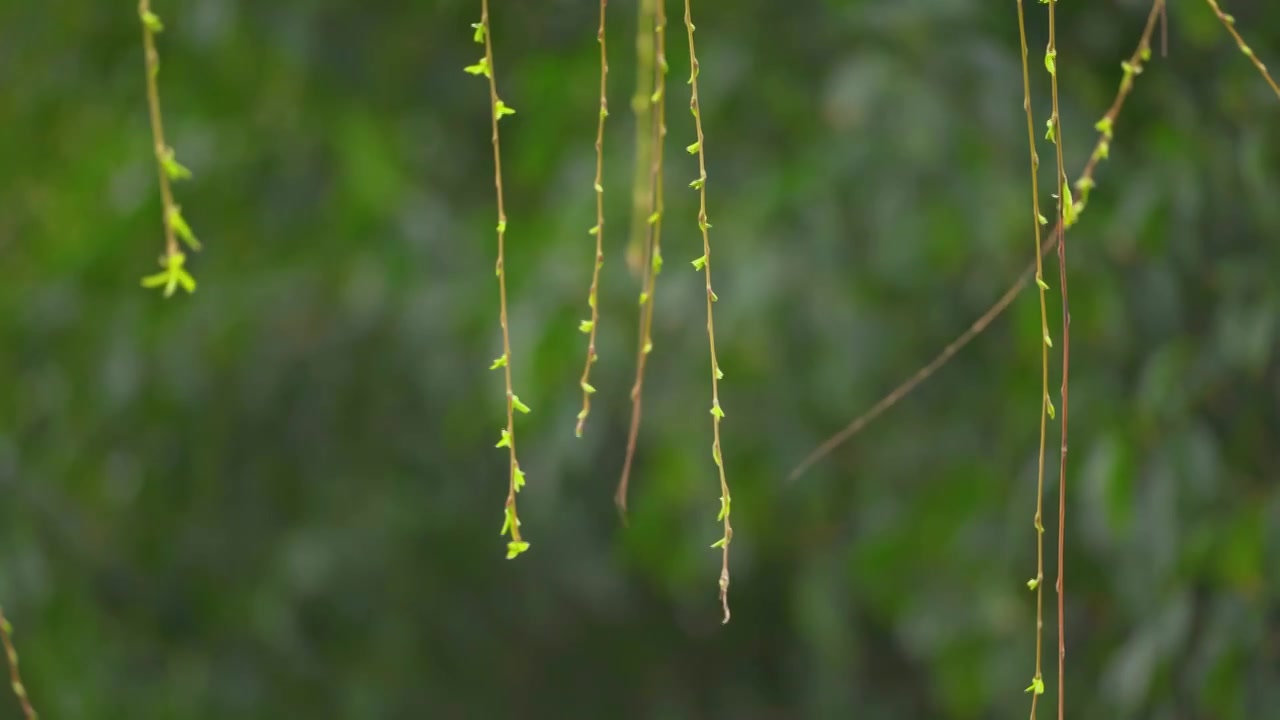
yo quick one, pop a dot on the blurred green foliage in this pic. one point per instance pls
(279, 497)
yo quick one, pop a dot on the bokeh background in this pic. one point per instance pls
(279, 497)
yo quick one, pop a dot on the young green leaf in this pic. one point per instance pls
(179, 225)
(152, 22)
(174, 169)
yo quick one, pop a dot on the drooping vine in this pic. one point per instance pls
(652, 257)
(704, 263)
(1066, 216)
(1046, 406)
(15, 675)
(643, 110)
(174, 274)
(1229, 22)
(497, 111)
(1084, 184)
(589, 326)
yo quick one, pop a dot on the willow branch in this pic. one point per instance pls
(15, 675)
(1229, 23)
(1083, 184)
(598, 231)
(704, 263)
(497, 110)
(1046, 407)
(652, 244)
(637, 243)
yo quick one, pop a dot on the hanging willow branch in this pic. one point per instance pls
(1229, 23)
(589, 326)
(1046, 406)
(1067, 212)
(704, 263)
(652, 256)
(174, 275)
(497, 111)
(641, 196)
(15, 676)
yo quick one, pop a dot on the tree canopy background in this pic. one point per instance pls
(279, 497)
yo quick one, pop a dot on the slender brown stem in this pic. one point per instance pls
(160, 148)
(510, 435)
(652, 244)
(598, 230)
(1229, 23)
(1064, 204)
(716, 412)
(1084, 183)
(1062, 484)
(15, 676)
(1043, 341)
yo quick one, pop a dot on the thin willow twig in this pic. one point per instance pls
(1229, 23)
(637, 243)
(15, 675)
(173, 261)
(704, 263)
(1037, 683)
(1066, 211)
(161, 149)
(497, 109)
(598, 231)
(652, 244)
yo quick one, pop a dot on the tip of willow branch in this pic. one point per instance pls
(620, 501)
(724, 595)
